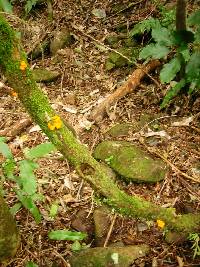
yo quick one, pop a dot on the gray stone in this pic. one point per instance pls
(131, 162)
(109, 256)
(61, 39)
(43, 75)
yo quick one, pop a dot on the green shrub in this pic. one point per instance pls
(182, 49)
(21, 173)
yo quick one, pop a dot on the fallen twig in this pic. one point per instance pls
(110, 230)
(134, 80)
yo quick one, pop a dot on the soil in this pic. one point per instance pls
(84, 82)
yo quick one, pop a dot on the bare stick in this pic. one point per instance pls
(134, 80)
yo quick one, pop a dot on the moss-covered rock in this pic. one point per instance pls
(122, 129)
(118, 61)
(61, 39)
(44, 75)
(131, 161)
(110, 256)
(102, 220)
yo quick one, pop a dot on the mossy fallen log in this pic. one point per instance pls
(19, 76)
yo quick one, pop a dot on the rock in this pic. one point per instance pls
(81, 223)
(40, 49)
(102, 223)
(112, 257)
(61, 39)
(118, 61)
(175, 237)
(123, 129)
(131, 162)
(43, 75)
(117, 244)
(69, 99)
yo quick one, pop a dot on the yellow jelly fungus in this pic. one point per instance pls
(14, 94)
(160, 223)
(55, 123)
(23, 65)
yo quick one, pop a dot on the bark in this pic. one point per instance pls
(181, 15)
(9, 236)
(37, 105)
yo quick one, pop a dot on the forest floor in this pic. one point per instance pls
(84, 81)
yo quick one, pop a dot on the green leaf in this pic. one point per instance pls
(170, 70)
(53, 210)
(193, 67)
(197, 35)
(76, 246)
(27, 179)
(40, 151)
(172, 93)
(162, 36)
(28, 203)
(194, 18)
(6, 6)
(5, 150)
(29, 5)
(145, 25)
(15, 208)
(8, 168)
(185, 52)
(31, 264)
(66, 235)
(155, 51)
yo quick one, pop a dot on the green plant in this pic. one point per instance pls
(180, 47)
(66, 235)
(21, 173)
(6, 5)
(194, 237)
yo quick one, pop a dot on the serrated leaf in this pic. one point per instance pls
(193, 67)
(170, 70)
(27, 178)
(162, 36)
(66, 235)
(194, 18)
(5, 150)
(172, 93)
(145, 25)
(40, 151)
(6, 6)
(154, 51)
(185, 52)
(29, 204)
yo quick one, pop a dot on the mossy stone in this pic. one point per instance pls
(131, 162)
(122, 129)
(61, 39)
(118, 61)
(43, 75)
(109, 256)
